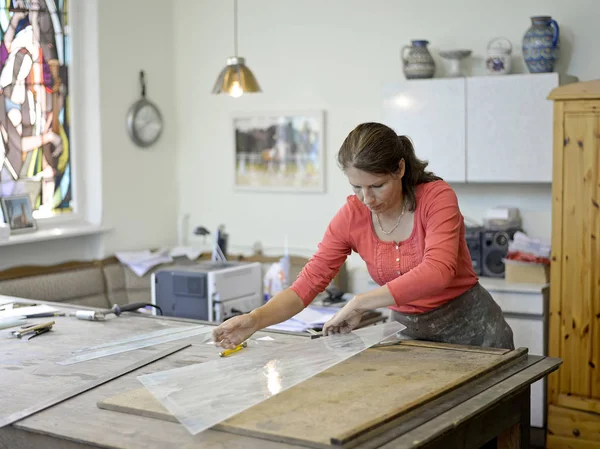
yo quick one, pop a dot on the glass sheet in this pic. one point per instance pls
(103, 352)
(203, 395)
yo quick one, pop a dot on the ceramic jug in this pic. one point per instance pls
(541, 44)
(499, 56)
(418, 63)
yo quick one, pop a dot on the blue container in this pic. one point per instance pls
(418, 64)
(541, 44)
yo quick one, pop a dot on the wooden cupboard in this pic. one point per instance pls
(574, 327)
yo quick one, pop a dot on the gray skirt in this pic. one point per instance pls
(473, 319)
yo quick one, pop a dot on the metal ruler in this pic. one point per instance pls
(132, 345)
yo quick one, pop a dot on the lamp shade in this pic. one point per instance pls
(236, 79)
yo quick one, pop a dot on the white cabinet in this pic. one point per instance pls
(432, 114)
(525, 309)
(509, 128)
(477, 129)
(528, 333)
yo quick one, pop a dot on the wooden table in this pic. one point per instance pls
(494, 406)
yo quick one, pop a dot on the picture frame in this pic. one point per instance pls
(281, 151)
(18, 213)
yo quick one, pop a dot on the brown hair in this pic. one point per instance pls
(375, 148)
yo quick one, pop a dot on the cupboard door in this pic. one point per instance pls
(432, 113)
(580, 258)
(509, 128)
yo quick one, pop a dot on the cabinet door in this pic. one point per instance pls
(432, 114)
(580, 255)
(509, 128)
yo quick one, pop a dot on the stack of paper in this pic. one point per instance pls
(141, 262)
(311, 317)
(190, 252)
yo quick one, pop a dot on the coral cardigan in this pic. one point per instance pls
(431, 267)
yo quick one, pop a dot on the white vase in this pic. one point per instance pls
(498, 60)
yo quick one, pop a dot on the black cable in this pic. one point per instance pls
(156, 307)
(117, 309)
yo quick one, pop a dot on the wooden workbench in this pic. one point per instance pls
(493, 405)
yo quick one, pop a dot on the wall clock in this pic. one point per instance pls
(144, 120)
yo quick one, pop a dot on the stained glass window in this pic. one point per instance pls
(34, 103)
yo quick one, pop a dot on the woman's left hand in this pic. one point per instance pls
(344, 321)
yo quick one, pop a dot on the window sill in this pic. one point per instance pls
(55, 232)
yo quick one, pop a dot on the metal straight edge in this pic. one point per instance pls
(158, 333)
(84, 357)
(17, 416)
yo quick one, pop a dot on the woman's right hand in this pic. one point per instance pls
(235, 331)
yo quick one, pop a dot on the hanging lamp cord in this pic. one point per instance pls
(143, 83)
(235, 26)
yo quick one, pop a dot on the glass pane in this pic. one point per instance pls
(203, 395)
(34, 103)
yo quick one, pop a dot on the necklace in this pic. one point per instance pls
(397, 221)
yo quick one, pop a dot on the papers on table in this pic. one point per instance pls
(10, 312)
(310, 318)
(6, 302)
(186, 251)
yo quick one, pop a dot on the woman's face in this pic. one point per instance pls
(380, 193)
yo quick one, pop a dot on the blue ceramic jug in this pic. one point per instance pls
(418, 64)
(541, 44)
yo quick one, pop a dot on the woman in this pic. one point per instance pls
(406, 225)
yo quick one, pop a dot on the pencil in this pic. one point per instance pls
(231, 351)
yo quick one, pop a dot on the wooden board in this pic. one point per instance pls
(348, 400)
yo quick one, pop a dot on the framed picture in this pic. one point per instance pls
(18, 213)
(281, 151)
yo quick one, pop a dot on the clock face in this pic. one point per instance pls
(145, 123)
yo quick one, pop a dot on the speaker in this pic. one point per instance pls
(473, 238)
(494, 247)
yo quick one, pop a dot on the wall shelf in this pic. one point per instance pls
(54, 233)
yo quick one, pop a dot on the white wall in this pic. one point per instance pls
(139, 193)
(336, 56)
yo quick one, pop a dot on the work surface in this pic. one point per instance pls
(471, 385)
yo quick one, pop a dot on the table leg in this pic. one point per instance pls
(525, 428)
(517, 436)
(511, 438)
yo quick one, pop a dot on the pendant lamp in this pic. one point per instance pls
(235, 79)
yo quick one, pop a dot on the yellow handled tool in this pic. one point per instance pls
(231, 351)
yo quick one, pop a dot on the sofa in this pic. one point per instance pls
(103, 283)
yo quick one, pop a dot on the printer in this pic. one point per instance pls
(209, 291)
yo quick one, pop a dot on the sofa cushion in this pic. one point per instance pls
(77, 283)
(123, 286)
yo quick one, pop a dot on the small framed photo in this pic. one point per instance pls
(18, 213)
(279, 151)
